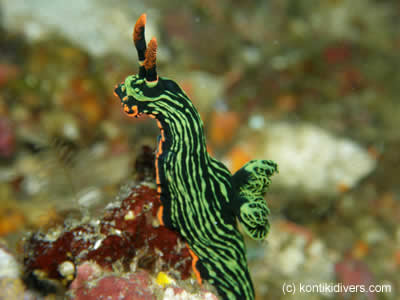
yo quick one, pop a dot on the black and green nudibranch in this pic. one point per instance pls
(201, 199)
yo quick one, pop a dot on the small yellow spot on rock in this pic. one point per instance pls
(129, 216)
(163, 279)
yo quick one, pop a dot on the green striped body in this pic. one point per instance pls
(195, 189)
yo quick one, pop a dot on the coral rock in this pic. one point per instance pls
(126, 237)
(89, 285)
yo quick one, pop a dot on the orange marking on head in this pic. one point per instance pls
(137, 32)
(128, 109)
(195, 259)
(115, 94)
(160, 215)
(151, 54)
(125, 98)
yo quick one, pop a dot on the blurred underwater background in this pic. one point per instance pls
(312, 85)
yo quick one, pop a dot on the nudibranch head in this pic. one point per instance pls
(138, 91)
(136, 95)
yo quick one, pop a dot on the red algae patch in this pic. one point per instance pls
(126, 238)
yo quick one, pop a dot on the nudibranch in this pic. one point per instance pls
(201, 199)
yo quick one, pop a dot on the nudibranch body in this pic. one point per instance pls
(201, 199)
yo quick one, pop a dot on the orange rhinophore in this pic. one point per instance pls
(138, 32)
(151, 54)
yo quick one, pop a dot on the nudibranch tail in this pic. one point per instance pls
(254, 218)
(251, 183)
(150, 61)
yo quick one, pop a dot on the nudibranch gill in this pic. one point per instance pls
(200, 198)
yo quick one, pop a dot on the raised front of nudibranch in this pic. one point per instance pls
(201, 199)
